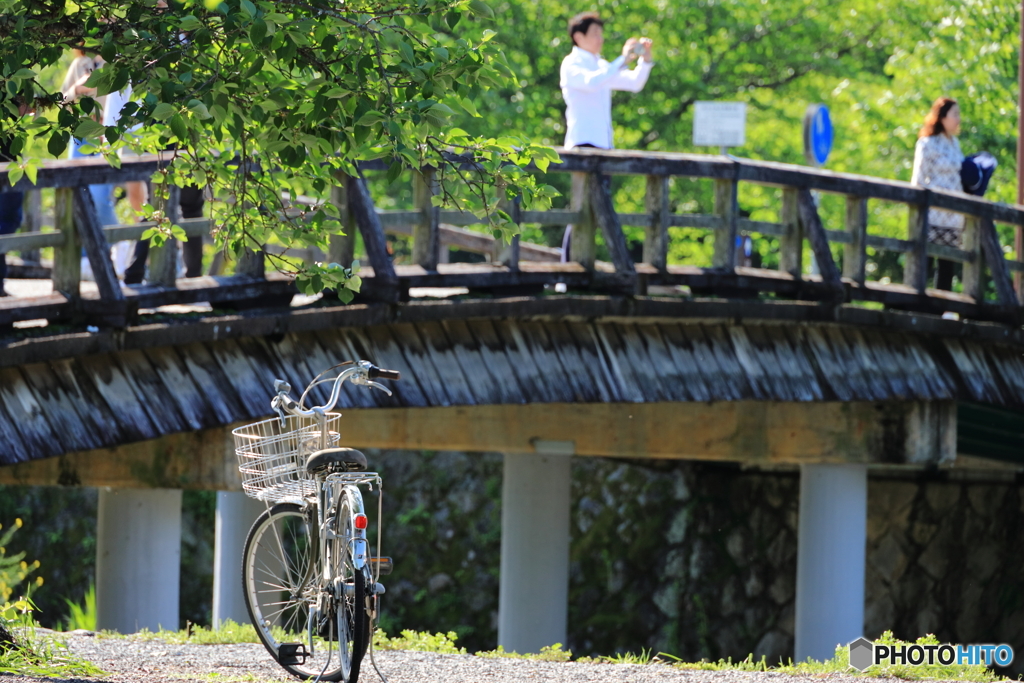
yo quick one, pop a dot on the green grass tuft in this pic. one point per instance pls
(42, 655)
(82, 616)
(441, 643)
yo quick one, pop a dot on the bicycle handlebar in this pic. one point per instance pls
(362, 373)
(376, 372)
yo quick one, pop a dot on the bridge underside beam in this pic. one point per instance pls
(751, 432)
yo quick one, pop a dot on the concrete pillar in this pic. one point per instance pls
(830, 558)
(235, 514)
(534, 592)
(138, 558)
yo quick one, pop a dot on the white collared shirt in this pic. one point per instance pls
(587, 82)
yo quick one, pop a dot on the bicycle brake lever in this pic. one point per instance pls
(376, 385)
(275, 404)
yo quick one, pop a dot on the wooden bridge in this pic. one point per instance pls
(833, 372)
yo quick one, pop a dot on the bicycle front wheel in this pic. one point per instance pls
(282, 583)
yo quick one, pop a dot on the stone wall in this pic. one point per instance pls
(947, 558)
(699, 560)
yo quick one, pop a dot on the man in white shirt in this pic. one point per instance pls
(587, 81)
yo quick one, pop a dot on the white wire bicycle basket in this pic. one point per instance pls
(272, 457)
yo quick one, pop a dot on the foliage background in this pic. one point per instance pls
(877, 65)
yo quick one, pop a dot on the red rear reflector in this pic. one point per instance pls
(361, 521)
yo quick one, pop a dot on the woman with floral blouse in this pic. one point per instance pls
(937, 162)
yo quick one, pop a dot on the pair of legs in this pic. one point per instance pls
(10, 220)
(191, 204)
(944, 271)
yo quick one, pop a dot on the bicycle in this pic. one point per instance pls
(308, 576)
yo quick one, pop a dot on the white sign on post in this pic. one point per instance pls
(719, 124)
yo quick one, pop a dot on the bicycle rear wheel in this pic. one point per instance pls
(282, 582)
(354, 588)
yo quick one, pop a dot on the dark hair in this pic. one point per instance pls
(933, 122)
(582, 22)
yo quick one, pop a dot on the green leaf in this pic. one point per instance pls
(258, 32)
(470, 108)
(199, 109)
(164, 111)
(394, 170)
(407, 54)
(178, 233)
(482, 8)
(179, 127)
(370, 118)
(14, 174)
(254, 68)
(190, 23)
(120, 79)
(57, 143)
(441, 109)
(248, 9)
(21, 74)
(88, 129)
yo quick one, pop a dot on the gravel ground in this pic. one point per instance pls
(136, 660)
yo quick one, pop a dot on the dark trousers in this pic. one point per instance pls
(10, 220)
(191, 204)
(944, 271)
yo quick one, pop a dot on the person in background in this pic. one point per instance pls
(74, 88)
(10, 211)
(587, 81)
(191, 204)
(937, 164)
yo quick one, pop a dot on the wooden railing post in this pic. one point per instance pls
(426, 240)
(604, 215)
(583, 248)
(819, 242)
(727, 209)
(993, 251)
(252, 263)
(163, 260)
(507, 253)
(915, 268)
(974, 272)
(791, 244)
(656, 235)
(32, 221)
(365, 215)
(855, 253)
(67, 258)
(343, 245)
(87, 221)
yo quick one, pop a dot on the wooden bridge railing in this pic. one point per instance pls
(523, 268)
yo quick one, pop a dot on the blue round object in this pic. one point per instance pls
(818, 134)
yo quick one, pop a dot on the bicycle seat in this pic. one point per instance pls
(350, 460)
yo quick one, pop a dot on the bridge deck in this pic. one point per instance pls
(164, 379)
